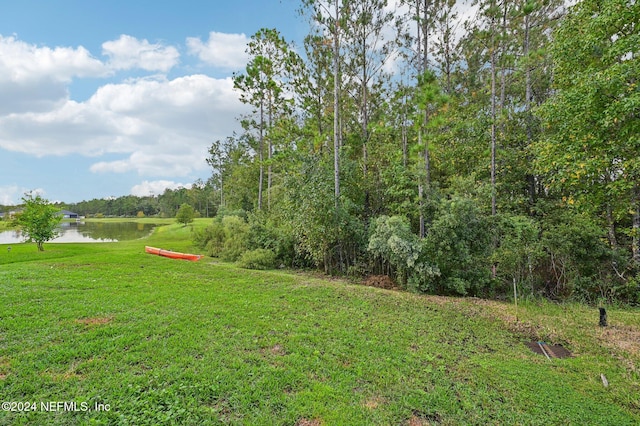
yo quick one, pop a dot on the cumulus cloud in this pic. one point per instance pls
(21, 62)
(128, 52)
(225, 51)
(156, 187)
(160, 127)
(35, 78)
(152, 126)
(10, 193)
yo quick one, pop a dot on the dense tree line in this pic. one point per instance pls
(202, 196)
(457, 157)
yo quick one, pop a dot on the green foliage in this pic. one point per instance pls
(185, 214)
(257, 259)
(227, 237)
(211, 238)
(519, 250)
(578, 260)
(38, 220)
(267, 231)
(236, 233)
(589, 152)
(459, 242)
(392, 241)
(423, 147)
(323, 236)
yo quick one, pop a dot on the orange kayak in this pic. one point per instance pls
(172, 254)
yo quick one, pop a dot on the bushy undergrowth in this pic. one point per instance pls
(231, 238)
(257, 259)
(466, 250)
(226, 237)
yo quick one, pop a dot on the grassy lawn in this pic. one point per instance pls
(160, 341)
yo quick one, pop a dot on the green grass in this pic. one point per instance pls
(174, 342)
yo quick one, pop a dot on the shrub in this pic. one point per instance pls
(577, 257)
(185, 214)
(459, 243)
(257, 259)
(268, 232)
(236, 233)
(225, 237)
(518, 252)
(393, 243)
(38, 220)
(211, 238)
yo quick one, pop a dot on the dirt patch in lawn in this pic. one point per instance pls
(422, 419)
(277, 350)
(307, 422)
(94, 321)
(4, 368)
(624, 337)
(380, 281)
(374, 402)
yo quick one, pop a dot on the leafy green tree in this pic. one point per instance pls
(38, 220)
(589, 153)
(393, 243)
(185, 214)
(458, 242)
(263, 87)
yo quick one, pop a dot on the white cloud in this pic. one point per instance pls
(128, 52)
(156, 187)
(152, 126)
(160, 127)
(11, 195)
(21, 62)
(225, 51)
(35, 78)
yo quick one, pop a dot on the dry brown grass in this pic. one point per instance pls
(94, 321)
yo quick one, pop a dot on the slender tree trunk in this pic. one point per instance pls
(405, 146)
(423, 57)
(493, 130)
(531, 180)
(261, 156)
(365, 132)
(423, 231)
(503, 71)
(269, 154)
(425, 67)
(611, 228)
(405, 138)
(635, 243)
(336, 110)
(493, 119)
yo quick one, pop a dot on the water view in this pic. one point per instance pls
(89, 232)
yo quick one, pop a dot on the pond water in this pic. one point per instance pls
(89, 232)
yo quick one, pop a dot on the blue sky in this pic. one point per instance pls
(109, 98)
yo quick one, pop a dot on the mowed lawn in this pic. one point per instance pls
(106, 334)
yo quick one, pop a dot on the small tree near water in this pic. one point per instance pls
(185, 214)
(38, 220)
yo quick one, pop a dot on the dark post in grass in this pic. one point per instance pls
(603, 317)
